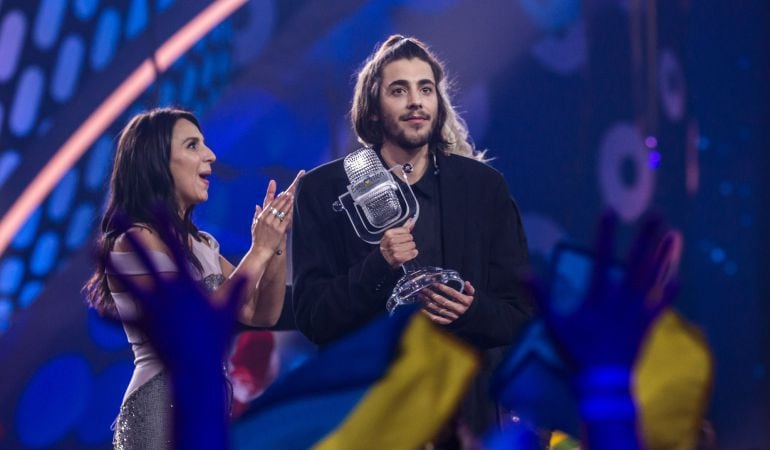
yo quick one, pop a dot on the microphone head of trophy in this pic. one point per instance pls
(375, 200)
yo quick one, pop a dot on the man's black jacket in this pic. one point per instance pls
(341, 283)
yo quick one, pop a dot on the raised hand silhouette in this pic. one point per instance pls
(191, 331)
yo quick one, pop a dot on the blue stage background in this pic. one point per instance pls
(634, 105)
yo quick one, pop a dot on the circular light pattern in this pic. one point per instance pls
(11, 275)
(551, 15)
(43, 242)
(60, 201)
(717, 255)
(50, 15)
(136, 21)
(85, 9)
(27, 232)
(66, 73)
(622, 144)
(105, 39)
(12, 31)
(53, 400)
(106, 334)
(29, 293)
(51, 412)
(80, 226)
(6, 311)
(44, 254)
(107, 394)
(563, 55)
(651, 142)
(99, 160)
(9, 160)
(26, 101)
(671, 82)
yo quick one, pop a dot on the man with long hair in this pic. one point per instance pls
(468, 222)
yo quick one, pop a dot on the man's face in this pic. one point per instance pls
(408, 103)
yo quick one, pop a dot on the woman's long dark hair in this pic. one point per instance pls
(141, 191)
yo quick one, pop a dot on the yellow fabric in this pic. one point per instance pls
(673, 382)
(563, 441)
(416, 396)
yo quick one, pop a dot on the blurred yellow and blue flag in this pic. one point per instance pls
(390, 385)
(672, 381)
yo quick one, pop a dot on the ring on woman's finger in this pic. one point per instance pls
(278, 213)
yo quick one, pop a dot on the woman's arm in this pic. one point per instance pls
(270, 293)
(263, 307)
(265, 263)
(267, 235)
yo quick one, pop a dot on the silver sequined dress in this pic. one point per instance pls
(144, 421)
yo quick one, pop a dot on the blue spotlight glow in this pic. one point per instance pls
(53, 400)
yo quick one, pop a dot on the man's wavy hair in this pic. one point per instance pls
(450, 134)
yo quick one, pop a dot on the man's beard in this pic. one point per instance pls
(392, 132)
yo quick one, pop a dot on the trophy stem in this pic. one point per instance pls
(411, 266)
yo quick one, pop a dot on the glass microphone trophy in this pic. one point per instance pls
(376, 202)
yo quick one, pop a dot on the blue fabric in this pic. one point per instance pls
(533, 381)
(297, 423)
(312, 400)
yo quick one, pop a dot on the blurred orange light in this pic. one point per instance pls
(106, 113)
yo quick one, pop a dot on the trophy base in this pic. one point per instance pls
(413, 282)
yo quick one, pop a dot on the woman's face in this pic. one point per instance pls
(190, 164)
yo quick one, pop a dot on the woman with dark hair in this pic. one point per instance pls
(161, 171)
